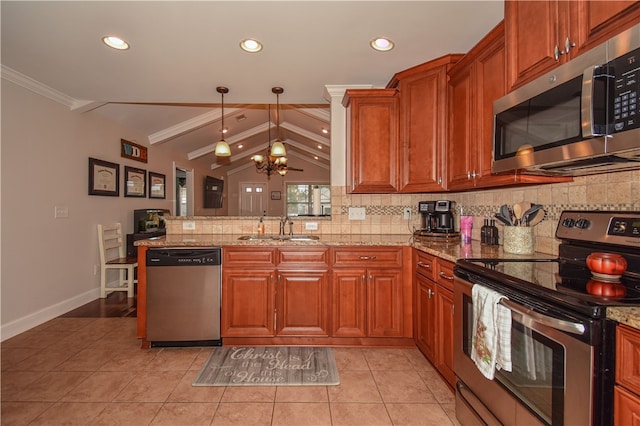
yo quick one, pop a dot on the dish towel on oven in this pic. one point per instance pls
(491, 333)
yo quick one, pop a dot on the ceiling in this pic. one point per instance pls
(164, 86)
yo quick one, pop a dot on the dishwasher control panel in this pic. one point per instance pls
(183, 256)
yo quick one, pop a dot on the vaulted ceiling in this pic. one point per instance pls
(164, 86)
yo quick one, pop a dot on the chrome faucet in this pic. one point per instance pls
(283, 221)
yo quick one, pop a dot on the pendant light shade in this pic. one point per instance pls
(278, 149)
(222, 147)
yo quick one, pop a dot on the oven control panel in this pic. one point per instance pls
(600, 227)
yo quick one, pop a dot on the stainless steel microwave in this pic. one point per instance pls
(581, 118)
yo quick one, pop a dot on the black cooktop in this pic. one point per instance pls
(555, 280)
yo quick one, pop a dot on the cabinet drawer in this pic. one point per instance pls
(444, 273)
(368, 256)
(249, 257)
(628, 358)
(307, 257)
(425, 264)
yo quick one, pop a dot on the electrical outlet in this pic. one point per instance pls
(188, 225)
(357, 213)
(407, 213)
(311, 226)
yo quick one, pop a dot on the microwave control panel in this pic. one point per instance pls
(626, 70)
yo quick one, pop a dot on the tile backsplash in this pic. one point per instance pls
(384, 212)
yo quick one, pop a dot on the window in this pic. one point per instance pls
(300, 199)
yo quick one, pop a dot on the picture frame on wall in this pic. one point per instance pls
(104, 178)
(157, 184)
(276, 195)
(135, 182)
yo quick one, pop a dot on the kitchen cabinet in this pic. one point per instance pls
(372, 147)
(302, 292)
(368, 295)
(475, 83)
(434, 312)
(541, 35)
(248, 291)
(268, 291)
(626, 393)
(422, 92)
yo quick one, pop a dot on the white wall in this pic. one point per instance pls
(48, 264)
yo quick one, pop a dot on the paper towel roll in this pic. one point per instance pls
(316, 203)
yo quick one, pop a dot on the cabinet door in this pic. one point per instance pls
(626, 408)
(302, 303)
(425, 323)
(532, 34)
(444, 312)
(247, 303)
(349, 298)
(423, 104)
(372, 150)
(461, 147)
(384, 303)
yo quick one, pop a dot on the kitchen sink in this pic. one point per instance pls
(279, 238)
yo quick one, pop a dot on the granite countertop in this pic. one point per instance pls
(451, 251)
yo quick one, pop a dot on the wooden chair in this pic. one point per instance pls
(113, 256)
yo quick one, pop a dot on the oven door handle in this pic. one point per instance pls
(529, 315)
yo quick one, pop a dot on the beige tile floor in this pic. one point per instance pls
(91, 371)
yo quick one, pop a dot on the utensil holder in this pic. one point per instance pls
(518, 240)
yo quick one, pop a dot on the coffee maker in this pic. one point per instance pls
(427, 210)
(444, 217)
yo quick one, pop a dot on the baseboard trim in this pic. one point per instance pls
(27, 322)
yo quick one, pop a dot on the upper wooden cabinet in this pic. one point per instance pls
(372, 148)
(543, 34)
(422, 91)
(475, 83)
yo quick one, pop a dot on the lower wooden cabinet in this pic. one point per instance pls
(433, 281)
(269, 292)
(345, 295)
(367, 302)
(627, 388)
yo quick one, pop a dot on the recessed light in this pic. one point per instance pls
(382, 44)
(325, 131)
(319, 146)
(315, 157)
(115, 42)
(240, 146)
(251, 45)
(225, 130)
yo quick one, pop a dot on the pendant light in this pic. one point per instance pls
(222, 147)
(268, 163)
(278, 149)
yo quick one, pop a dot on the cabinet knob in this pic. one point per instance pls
(557, 52)
(568, 45)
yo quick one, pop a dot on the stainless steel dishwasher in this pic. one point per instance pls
(183, 296)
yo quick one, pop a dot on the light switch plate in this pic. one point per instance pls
(60, 212)
(311, 226)
(357, 213)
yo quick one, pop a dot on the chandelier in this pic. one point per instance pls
(222, 147)
(275, 160)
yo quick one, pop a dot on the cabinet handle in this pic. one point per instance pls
(445, 276)
(370, 278)
(439, 180)
(471, 175)
(363, 278)
(557, 52)
(430, 293)
(367, 257)
(424, 265)
(568, 45)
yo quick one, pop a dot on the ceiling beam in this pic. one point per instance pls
(230, 140)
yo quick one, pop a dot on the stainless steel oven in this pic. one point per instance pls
(562, 344)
